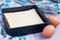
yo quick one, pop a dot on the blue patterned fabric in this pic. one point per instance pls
(43, 5)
